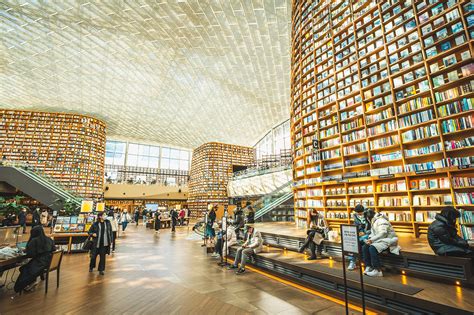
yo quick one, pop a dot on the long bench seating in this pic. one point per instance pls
(424, 265)
(388, 294)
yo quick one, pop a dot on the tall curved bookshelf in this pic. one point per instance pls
(382, 109)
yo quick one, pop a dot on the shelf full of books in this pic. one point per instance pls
(70, 148)
(211, 169)
(382, 112)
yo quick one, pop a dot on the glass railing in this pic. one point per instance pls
(43, 178)
(271, 200)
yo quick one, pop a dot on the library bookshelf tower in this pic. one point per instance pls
(69, 148)
(382, 110)
(211, 169)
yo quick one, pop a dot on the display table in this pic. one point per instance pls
(70, 238)
(10, 263)
(165, 224)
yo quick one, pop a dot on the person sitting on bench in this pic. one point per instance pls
(363, 224)
(315, 235)
(443, 236)
(253, 245)
(382, 237)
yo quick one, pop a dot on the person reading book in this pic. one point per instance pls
(315, 235)
(443, 235)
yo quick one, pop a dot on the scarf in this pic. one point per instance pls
(106, 235)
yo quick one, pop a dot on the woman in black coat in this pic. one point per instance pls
(443, 236)
(101, 233)
(39, 248)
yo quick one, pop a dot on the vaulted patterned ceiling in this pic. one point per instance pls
(174, 72)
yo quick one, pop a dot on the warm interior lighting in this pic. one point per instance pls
(308, 290)
(403, 272)
(404, 280)
(458, 283)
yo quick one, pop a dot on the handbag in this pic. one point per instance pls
(87, 246)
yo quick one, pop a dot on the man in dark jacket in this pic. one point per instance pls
(22, 219)
(250, 216)
(101, 233)
(174, 219)
(238, 221)
(443, 237)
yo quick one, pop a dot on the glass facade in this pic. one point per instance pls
(275, 141)
(146, 164)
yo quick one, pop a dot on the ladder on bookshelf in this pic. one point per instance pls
(38, 187)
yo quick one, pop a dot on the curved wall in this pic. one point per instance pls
(68, 147)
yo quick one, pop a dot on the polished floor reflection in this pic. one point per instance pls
(163, 274)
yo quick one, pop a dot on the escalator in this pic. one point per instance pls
(272, 200)
(39, 187)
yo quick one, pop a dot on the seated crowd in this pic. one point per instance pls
(376, 236)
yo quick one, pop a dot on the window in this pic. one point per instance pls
(174, 159)
(115, 153)
(277, 140)
(142, 155)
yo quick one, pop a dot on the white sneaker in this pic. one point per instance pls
(368, 269)
(352, 266)
(375, 273)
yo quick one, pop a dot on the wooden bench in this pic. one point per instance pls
(423, 265)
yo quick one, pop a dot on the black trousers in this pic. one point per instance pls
(114, 236)
(173, 225)
(101, 252)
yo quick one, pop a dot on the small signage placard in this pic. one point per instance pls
(350, 239)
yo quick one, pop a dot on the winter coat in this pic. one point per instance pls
(383, 235)
(238, 220)
(251, 217)
(212, 216)
(95, 229)
(125, 217)
(444, 239)
(363, 227)
(44, 217)
(40, 259)
(256, 241)
(36, 218)
(113, 223)
(22, 218)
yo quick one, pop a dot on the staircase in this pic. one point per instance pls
(272, 200)
(39, 187)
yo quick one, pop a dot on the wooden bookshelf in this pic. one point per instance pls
(386, 88)
(70, 148)
(211, 170)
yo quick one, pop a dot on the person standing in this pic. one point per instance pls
(39, 248)
(144, 215)
(114, 225)
(36, 218)
(251, 216)
(182, 214)
(22, 219)
(44, 217)
(174, 219)
(124, 219)
(157, 221)
(136, 216)
(102, 237)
